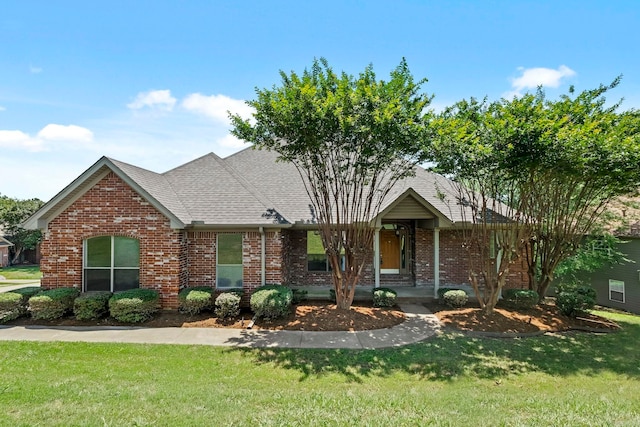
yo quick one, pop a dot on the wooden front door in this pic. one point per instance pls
(389, 252)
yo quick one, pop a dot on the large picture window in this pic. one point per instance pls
(111, 263)
(229, 264)
(316, 255)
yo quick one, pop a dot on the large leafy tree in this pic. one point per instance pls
(351, 139)
(556, 163)
(12, 213)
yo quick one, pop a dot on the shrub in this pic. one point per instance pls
(227, 305)
(134, 305)
(14, 304)
(384, 297)
(442, 291)
(332, 295)
(11, 306)
(271, 301)
(575, 299)
(53, 303)
(520, 298)
(455, 298)
(91, 305)
(299, 295)
(195, 299)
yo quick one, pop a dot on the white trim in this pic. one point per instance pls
(389, 271)
(376, 256)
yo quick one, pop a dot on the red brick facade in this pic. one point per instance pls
(171, 259)
(111, 207)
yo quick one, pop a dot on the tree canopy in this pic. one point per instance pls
(13, 212)
(351, 139)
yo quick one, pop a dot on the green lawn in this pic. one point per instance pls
(21, 272)
(569, 380)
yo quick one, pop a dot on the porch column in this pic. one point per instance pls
(376, 257)
(436, 261)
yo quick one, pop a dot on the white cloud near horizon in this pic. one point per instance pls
(531, 78)
(153, 99)
(60, 135)
(216, 106)
(72, 133)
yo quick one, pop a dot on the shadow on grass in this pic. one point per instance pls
(452, 355)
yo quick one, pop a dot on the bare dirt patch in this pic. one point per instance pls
(318, 316)
(545, 317)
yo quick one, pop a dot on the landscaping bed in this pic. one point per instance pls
(316, 316)
(542, 318)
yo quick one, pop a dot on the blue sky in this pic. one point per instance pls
(149, 82)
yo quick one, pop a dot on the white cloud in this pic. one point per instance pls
(35, 70)
(230, 141)
(15, 139)
(2, 108)
(154, 99)
(216, 106)
(531, 78)
(71, 133)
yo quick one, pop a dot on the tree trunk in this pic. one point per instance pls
(16, 255)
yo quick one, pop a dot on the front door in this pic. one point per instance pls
(389, 252)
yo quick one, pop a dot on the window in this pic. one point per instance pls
(616, 290)
(111, 263)
(229, 264)
(316, 255)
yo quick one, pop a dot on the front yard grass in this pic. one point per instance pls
(572, 379)
(21, 272)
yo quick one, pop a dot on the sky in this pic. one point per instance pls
(150, 82)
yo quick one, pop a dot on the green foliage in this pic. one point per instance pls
(27, 292)
(520, 298)
(442, 291)
(299, 295)
(271, 301)
(346, 136)
(134, 305)
(13, 212)
(227, 305)
(11, 306)
(592, 255)
(91, 305)
(195, 299)
(384, 297)
(575, 299)
(332, 295)
(53, 303)
(455, 298)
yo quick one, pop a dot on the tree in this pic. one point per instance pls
(471, 147)
(12, 213)
(351, 139)
(555, 163)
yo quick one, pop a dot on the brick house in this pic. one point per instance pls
(239, 221)
(4, 251)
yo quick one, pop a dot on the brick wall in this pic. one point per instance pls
(111, 208)
(201, 258)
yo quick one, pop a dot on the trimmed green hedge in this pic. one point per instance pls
(271, 301)
(91, 305)
(442, 291)
(195, 299)
(53, 303)
(134, 305)
(384, 297)
(575, 299)
(11, 306)
(299, 295)
(455, 298)
(227, 305)
(520, 298)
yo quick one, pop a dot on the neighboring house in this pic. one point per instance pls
(242, 221)
(4, 251)
(618, 286)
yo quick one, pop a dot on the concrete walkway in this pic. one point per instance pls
(420, 325)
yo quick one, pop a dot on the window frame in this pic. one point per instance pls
(112, 256)
(619, 283)
(218, 265)
(327, 264)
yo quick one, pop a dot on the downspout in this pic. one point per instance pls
(436, 261)
(263, 257)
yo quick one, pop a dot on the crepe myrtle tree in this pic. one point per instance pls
(555, 163)
(351, 139)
